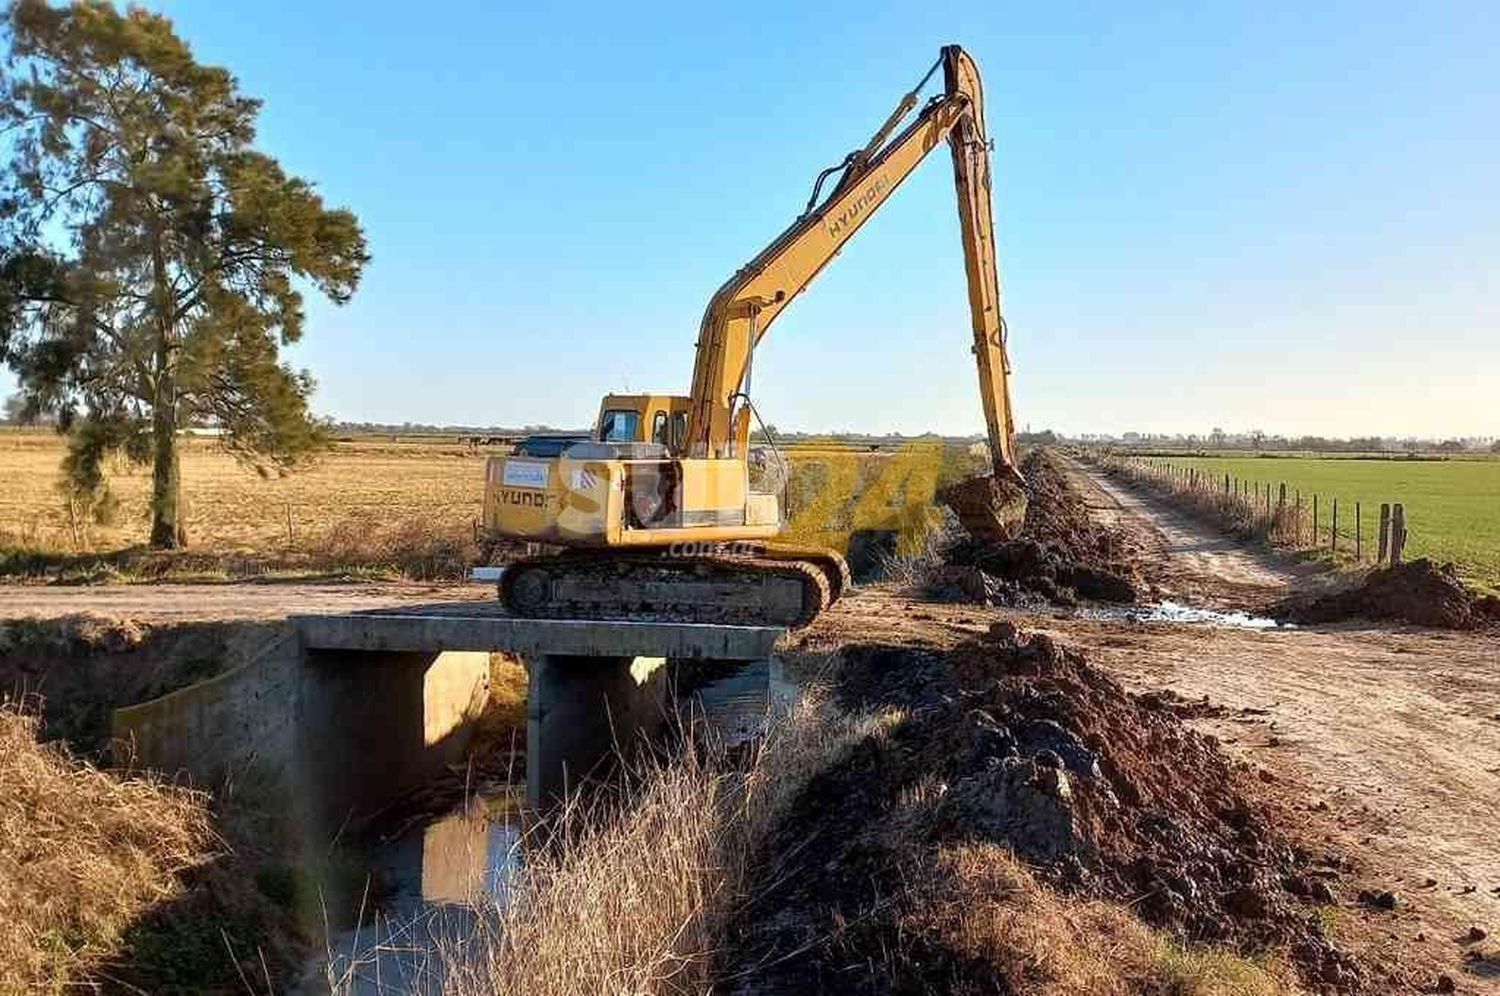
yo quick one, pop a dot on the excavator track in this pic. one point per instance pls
(775, 587)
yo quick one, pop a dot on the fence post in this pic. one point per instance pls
(1333, 531)
(1358, 540)
(1226, 484)
(1397, 533)
(1315, 521)
(1385, 532)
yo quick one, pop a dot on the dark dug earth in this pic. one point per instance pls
(1060, 556)
(1419, 592)
(1010, 745)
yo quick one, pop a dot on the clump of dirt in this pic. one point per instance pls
(1419, 592)
(1061, 555)
(1013, 741)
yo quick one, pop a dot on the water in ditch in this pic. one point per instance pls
(429, 883)
(1176, 612)
(431, 878)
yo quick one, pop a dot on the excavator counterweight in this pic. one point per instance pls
(655, 514)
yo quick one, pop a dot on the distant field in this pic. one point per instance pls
(229, 508)
(369, 494)
(1452, 506)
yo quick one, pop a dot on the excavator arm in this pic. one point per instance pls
(742, 310)
(643, 511)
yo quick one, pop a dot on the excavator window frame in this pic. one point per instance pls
(622, 416)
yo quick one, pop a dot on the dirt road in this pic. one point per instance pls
(1193, 564)
(1386, 739)
(228, 601)
(1379, 743)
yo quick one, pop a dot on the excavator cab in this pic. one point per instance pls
(644, 418)
(629, 485)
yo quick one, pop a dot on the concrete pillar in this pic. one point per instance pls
(374, 727)
(582, 712)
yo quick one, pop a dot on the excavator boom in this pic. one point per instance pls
(743, 309)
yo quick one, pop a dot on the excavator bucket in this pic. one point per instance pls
(991, 507)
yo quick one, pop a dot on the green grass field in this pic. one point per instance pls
(1452, 506)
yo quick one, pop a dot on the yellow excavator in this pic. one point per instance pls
(655, 515)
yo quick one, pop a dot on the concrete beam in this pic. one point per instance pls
(418, 631)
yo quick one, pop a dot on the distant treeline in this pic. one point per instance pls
(1268, 445)
(424, 429)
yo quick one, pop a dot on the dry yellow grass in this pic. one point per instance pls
(590, 916)
(83, 854)
(983, 904)
(229, 508)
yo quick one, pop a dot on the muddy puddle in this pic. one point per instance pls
(1176, 612)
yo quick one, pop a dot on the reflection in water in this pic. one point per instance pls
(436, 880)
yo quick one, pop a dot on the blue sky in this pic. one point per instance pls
(1280, 216)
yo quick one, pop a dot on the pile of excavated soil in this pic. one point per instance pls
(1418, 592)
(1061, 555)
(1013, 742)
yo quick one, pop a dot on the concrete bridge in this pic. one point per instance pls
(348, 714)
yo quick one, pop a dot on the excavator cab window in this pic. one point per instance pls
(679, 432)
(619, 425)
(659, 428)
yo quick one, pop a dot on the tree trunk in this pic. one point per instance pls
(166, 472)
(167, 532)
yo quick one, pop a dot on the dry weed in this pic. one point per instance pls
(984, 904)
(421, 548)
(634, 899)
(83, 854)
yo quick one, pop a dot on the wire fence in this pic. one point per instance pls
(1270, 511)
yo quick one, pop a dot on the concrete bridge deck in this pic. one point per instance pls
(356, 709)
(486, 626)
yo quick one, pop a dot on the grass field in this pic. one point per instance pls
(411, 503)
(1452, 506)
(361, 495)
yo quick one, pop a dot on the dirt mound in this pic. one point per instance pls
(1419, 592)
(1012, 741)
(1061, 555)
(991, 508)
